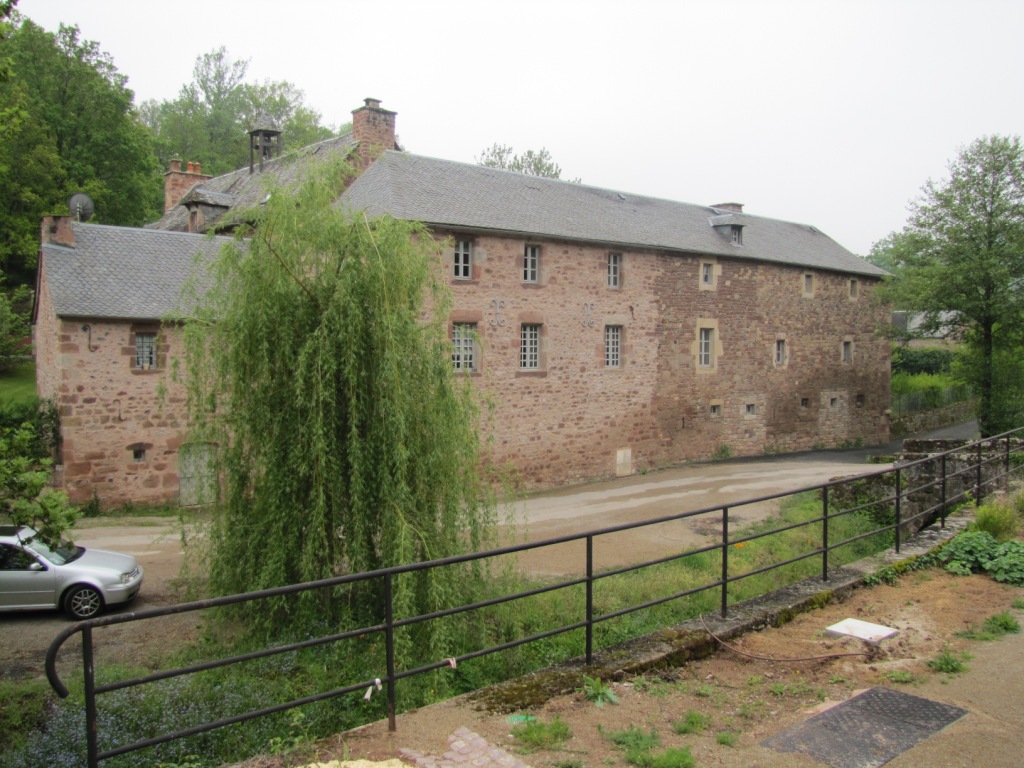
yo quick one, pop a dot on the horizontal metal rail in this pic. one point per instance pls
(991, 465)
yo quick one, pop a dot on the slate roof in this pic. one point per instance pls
(123, 272)
(241, 189)
(459, 196)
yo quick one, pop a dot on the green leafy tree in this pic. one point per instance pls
(210, 119)
(531, 163)
(25, 498)
(73, 130)
(346, 441)
(960, 265)
(14, 328)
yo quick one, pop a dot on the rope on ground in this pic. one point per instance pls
(724, 644)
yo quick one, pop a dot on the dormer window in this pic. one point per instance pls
(737, 234)
(728, 225)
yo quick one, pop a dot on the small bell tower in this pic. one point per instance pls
(264, 142)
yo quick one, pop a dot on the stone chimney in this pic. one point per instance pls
(56, 230)
(177, 182)
(737, 207)
(373, 131)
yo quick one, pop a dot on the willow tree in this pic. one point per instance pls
(318, 361)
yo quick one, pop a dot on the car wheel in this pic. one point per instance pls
(83, 602)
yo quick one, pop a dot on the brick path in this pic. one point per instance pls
(465, 750)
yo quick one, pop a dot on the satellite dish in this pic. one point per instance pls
(81, 206)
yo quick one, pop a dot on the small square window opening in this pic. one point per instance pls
(833, 402)
(805, 402)
(750, 409)
(716, 410)
(138, 455)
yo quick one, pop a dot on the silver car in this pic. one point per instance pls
(79, 580)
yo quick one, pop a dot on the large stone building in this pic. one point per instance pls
(613, 332)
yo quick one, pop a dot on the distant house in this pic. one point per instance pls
(614, 332)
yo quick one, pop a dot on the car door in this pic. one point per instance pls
(25, 580)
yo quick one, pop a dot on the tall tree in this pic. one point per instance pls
(961, 266)
(74, 131)
(348, 443)
(531, 163)
(210, 118)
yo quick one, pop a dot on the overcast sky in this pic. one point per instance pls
(826, 113)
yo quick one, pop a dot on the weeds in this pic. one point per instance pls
(727, 738)
(597, 691)
(947, 663)
(540, 735)
(998, 520)
(993, 627)
(692, 723)
(900, 676)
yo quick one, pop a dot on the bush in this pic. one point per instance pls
(970, 552)
(913, 361)
(1007, 564)
(997, 519)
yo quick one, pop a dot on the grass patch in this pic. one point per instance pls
(19, 384)
(693, 722)
(900, 676)
(727, 738)
(947, 663)
(537, 735)
(633, 738)
(993, 627)
(23, 710)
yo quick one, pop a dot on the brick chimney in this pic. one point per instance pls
(737, 207)
(56, 230)
(373, 131)
(177, 182)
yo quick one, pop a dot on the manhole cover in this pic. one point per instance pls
(868, 730)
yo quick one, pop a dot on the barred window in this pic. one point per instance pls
(529, 347)
(614, 270)
(464, 346)
(145, 350)
(463, 264)
(613, 346)
(531, 264)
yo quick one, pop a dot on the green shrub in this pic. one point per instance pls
(997, 519)
(1007, 563)
(692, 722)
(727, 738)
(911, 360)
(947, 662)
(969, 552)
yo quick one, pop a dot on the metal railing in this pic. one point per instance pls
(985, 464)
(905, 403)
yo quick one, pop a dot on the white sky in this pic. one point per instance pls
(832, 113)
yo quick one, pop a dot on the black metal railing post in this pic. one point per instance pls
(725, 562)
(824, 533)
(389, 644)
(89, 672)
(978, 494)
(590, 600)
(899, 494)
(1006, 465)
(944, 510)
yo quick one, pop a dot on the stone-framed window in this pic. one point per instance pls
(464, 347)
(847, 352)
(807, 284)
(145, 350)
(707, 276)
(706, 348)
(781, 353)
(614, 270)
(854, 288)
(531, 264)
(613, 346)
(529, 347)
(462, 260)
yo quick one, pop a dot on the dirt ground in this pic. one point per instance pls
(746, 692)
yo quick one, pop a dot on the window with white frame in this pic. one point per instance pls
(464, 347)
(706, 348)
(529, 347)
(613, 346)
(847, 351)
(614, 270)
(707, 273)
(780, 352)
(531, 264)
(145, 351)
(463, 260)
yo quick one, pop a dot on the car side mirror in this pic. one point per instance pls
(37, 566)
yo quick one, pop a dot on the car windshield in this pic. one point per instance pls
(64, 553)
